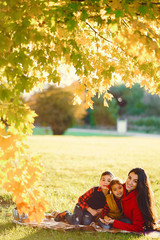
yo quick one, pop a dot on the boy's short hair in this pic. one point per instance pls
(115, 181)
(107, 173)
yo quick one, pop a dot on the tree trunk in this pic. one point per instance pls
(57, 131)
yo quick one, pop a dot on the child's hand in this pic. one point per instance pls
(107, 218)
(111, 221)
(103, 221)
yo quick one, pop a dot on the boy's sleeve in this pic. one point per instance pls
(83, 199)
(105, 210)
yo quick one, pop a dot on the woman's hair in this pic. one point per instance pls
(145, 198)
(115, 181)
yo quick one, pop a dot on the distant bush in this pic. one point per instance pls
(149, 121)
(102, 116)
(146, 123)
(138, 101)
(55, 109)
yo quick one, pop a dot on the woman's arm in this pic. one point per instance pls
(137, 223)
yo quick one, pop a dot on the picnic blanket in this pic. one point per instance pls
(50, 223)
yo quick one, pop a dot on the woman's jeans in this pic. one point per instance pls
(79, 216)
(103, 225)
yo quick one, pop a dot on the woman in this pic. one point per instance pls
(137, 203)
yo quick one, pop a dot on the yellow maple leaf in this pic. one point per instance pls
(105, 48)
(145, 84)
(108, 96)
(10, 174)
(105, 103)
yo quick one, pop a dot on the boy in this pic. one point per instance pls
(90, 204)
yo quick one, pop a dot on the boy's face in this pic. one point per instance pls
(105, 181)
(117, 190)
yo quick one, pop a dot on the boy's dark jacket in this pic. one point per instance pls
(93, 198)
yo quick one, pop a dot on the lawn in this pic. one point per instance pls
(74, 132)
(72, 166)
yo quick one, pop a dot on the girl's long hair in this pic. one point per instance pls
(145, 199)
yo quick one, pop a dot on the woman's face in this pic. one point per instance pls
(132, 181)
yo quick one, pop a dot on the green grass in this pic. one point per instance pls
(70, 132)
(42, 131)
(72, 166)
(90, 134)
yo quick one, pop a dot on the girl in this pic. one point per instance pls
(137, 203)
(113, 207)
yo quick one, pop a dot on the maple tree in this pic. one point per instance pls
(106, 41)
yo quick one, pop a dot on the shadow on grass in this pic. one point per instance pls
(48, 234)
(45, 234)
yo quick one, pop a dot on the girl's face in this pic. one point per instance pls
(131, 182)
(117, 190)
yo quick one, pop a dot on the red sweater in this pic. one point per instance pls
(132, 212)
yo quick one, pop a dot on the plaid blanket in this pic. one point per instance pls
(50, 223)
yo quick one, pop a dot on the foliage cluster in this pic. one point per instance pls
(19, 172)
(133, 99)
(102, 116)
(54, 107)
(138, 103)
(148, 124)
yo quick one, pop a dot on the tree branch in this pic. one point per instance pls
(125, 24)
(103, 37)
(98, 33)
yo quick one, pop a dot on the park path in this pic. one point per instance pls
(112, 132)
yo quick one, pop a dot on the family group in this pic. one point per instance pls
(128, 206)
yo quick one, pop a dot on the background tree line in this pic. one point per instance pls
(140, 108)
(55, 109)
